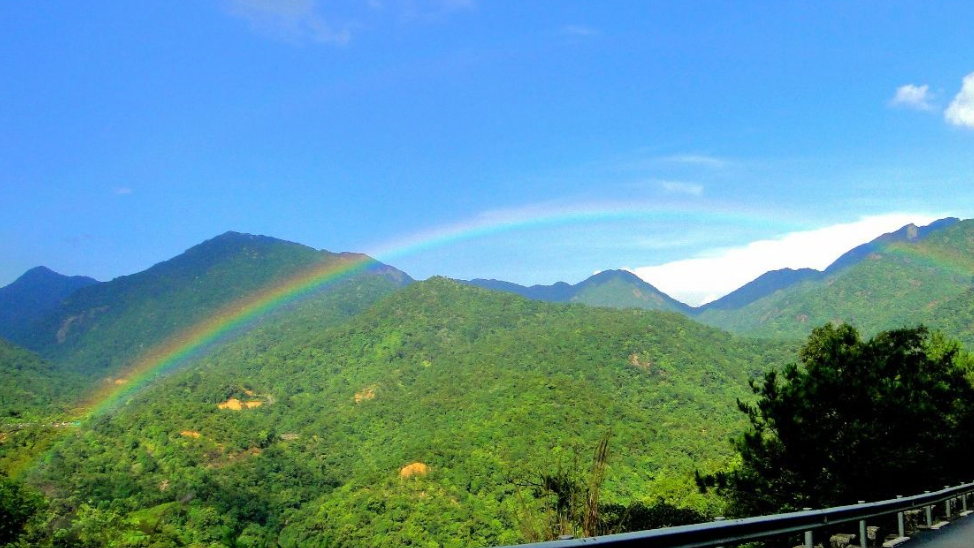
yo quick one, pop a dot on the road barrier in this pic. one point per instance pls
(728, 533)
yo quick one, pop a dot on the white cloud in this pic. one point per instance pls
(718, 272)
(123, 190)
(292, 20)
(961, 109)
(911, 96)
(680, 187)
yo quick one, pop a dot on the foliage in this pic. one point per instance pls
(954, 316)
(20, 510)
(852, 417)
(31, 296)
(479, 386)
(564, 502)
(100, 329)
(609, 288)
(32, 390)
(641, 516)
(895, 285)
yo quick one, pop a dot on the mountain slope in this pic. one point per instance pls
(474, 391)
(31, 388)
(778, 280)
(762, 286)
(954, 317)
(609, 288)
(906, 234)
(101, 328)
(897, 284)
(34, 294)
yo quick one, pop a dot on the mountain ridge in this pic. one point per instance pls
(896, 282)
(32, 295)
(612, 288)
(645, 295)
(101, 327)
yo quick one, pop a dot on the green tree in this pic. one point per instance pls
(20, 508)
(855, 420)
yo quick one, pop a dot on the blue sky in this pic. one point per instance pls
(532, 142)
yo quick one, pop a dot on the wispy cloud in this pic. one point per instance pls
(680, 187)
(716, 273)
(913, 97)
(290, 20)
(961, 109)
(123, 190)
(580, 31)
(695, 159)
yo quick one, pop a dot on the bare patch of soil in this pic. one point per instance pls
(414, 469)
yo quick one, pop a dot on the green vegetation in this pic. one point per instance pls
(446, 415)
(852, 417)
(896, 285)
(954, 316)
(611, 288)
(33, 397)
(20, 513)
(102, 328)
(481, 388)
(37, 292)
(32, 390)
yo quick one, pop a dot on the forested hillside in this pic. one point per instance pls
(100, 329)
(611, 288)
(31, 389)
(308, 436)
(34, 294)
(897, 284)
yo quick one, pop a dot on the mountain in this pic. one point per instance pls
(609, 288)
(904, 276)
(559, 292)
(34, 294)
(955, 317)
(777, 280)
(907, 234)
(31, 388)
(762, 286)
(622, 289)
(422, 420)
(101, 328)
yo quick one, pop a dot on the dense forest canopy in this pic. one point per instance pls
(381, 411)
(852, 414)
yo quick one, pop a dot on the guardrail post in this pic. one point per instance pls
(862, 530)
(947, 502)
(929, 509)
(719, 518)
(963, 502)
(808, 534)
(899, 521)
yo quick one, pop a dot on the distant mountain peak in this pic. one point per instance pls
(43, 274)
(33, 294)
(612, 288)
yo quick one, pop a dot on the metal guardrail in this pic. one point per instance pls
(733, 532)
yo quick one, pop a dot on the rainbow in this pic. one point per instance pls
(243, 313)
(234, 317)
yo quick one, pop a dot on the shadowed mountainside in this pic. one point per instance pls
(34, 294)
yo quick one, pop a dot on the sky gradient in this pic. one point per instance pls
(469, 138)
